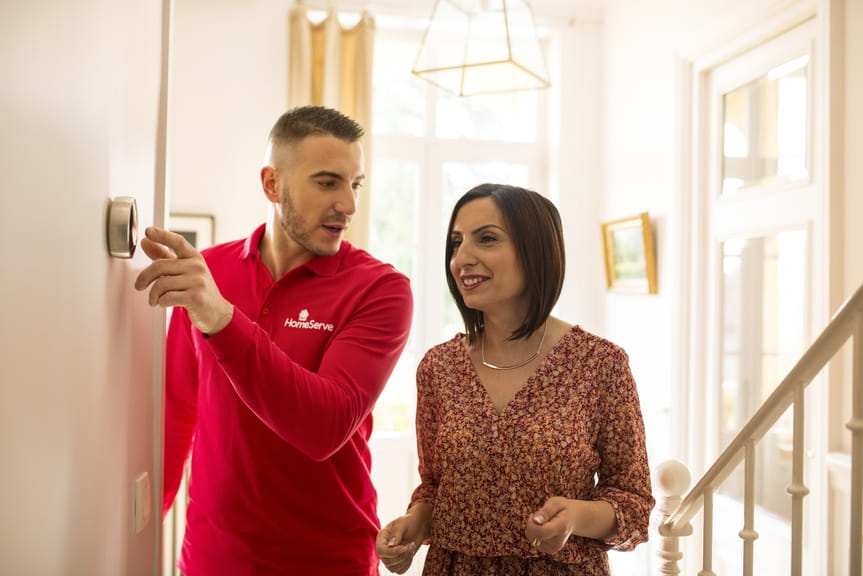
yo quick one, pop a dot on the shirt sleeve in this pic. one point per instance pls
(318, 412)
(426, 431)
(181, 398)
(624, 472)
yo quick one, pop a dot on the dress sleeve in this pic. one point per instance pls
(318, 412)
(181, 399)
(426, 430)
(624, 472)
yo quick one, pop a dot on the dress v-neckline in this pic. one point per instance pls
(532, 379)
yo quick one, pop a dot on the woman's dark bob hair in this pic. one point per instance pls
(534, 225)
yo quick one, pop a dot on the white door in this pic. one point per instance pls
(761, 203)
(80, 360)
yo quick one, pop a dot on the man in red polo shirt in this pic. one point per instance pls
(277, 350)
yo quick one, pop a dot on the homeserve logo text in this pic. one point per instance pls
(303, 322)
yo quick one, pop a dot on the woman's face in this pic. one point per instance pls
(484, 262)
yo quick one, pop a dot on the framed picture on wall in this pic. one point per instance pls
(198, 229)
(630, 263)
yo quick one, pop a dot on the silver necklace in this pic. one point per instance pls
(519, 364)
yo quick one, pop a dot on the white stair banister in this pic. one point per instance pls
(671, 478)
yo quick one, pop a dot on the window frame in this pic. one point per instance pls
(431, 154)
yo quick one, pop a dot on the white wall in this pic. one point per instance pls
(849, 262)
(229, 86)
(852, 262)
(578, 168)
(646, 45)
(78, 396)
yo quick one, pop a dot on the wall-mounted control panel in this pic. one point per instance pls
(122, 227)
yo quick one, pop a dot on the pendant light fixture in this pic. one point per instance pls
(482, 46)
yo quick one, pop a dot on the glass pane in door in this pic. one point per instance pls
(765, 129)
(763, 335)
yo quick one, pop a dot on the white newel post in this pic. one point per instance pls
(671, 480)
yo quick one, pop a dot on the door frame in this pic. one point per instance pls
(696, 433)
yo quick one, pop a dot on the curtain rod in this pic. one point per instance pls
(405, 9)
(565, 14)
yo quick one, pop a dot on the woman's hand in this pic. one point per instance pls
(399, 540)
(550, 527)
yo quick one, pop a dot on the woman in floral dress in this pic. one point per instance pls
(529, 430)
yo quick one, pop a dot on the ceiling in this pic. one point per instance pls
(542, 9)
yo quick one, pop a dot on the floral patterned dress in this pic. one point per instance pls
(574, 430)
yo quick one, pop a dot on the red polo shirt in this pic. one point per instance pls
(279, 405)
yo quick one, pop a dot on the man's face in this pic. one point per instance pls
(318, 181)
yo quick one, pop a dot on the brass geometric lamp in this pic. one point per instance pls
(482, 46)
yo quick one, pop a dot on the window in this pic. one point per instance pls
(765, 129)
(427, 149)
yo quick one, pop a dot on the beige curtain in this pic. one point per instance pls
(332, 66)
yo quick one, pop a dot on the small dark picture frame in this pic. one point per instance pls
(198, 229)
(630, 263)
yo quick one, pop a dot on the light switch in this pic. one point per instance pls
(142, 502)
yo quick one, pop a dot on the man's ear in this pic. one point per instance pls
(268, 183)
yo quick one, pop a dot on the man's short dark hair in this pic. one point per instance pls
(298, 123)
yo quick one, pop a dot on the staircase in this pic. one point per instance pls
(676, 507)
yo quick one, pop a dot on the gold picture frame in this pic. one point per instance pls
(630, 263)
